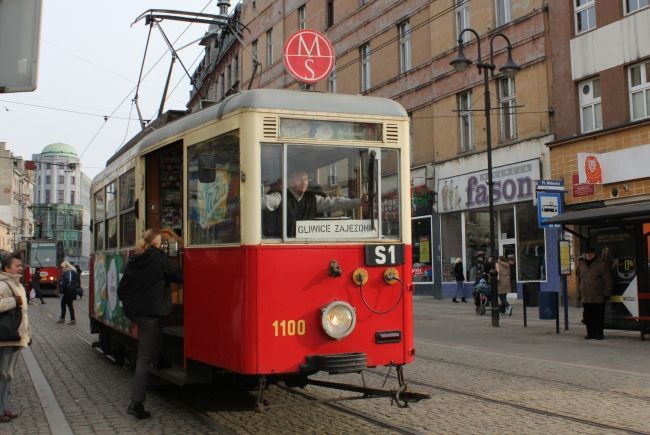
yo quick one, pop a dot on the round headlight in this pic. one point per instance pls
(339, 319)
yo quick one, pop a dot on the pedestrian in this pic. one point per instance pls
(460, 281)
(503, 284)
(596, 285)
(145, 293)
(12, 295)
(581, 270)
(35, 284)
(69, 287)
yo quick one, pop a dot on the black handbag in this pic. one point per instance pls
(9, 323)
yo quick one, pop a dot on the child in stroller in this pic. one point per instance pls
(481, 295)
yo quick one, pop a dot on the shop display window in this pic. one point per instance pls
(531, 258)
(422, 263)
(477, 242)
(452, 242)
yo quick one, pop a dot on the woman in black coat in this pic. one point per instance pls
(460, 280)
(35, 284)
(145, 293)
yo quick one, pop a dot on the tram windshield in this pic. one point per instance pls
(329, 193)
(43, 255)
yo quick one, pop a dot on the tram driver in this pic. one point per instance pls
(302, 204)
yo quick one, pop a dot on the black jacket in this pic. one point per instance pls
(144, 288)
(458, 271)
(69, 284)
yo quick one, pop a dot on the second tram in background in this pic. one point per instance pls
(289, 213)
(47, 255)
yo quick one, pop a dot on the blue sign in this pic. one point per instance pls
(549, 204)
(550, 185)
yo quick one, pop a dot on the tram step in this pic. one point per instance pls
(190, 376)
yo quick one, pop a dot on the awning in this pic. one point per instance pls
(623, 212)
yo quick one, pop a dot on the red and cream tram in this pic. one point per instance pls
(47, 255)
(289, 214)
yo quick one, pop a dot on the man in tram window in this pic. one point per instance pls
(303, 203)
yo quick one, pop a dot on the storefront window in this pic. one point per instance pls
(422, 266)
(477, 242)
(531, 258)
(452, 243)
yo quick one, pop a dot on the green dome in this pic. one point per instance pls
(61, 149)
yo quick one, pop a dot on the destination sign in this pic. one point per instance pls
(335, 229)
(291, 128)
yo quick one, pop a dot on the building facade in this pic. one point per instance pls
(62, 201)
(16, 196)
(601, 99)
(404, 53)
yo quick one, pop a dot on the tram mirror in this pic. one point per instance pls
(206, 168)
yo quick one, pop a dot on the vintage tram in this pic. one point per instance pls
(47, 255)
(269, 290)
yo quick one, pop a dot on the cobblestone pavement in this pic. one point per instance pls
(481, 379)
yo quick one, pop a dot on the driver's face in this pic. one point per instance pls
(299, 182)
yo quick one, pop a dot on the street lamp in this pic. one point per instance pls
(509, 69)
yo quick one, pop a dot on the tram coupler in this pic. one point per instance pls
(401, 396)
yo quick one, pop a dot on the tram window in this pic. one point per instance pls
(332, 193)
(127, 209)
(99, 217)
(111, 199)
(214, 206)
(111, 233)
(99, 236)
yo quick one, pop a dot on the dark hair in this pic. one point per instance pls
(590, 251)
(7, 259)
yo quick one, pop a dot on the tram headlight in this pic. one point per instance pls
(339, 319)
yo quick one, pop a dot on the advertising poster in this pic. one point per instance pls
(212, 204)
(108, 271)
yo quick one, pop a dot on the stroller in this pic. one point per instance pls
(481, 293)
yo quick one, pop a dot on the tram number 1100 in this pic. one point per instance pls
(286, 328)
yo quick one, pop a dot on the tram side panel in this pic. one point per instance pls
(294, 286)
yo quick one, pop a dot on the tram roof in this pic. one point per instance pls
(277, 99)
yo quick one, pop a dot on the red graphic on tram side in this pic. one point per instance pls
(308, 56)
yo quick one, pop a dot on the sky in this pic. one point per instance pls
(90, 60)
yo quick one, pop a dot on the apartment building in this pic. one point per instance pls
(601, 101)
(16, 196)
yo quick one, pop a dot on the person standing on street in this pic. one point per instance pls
(503, 284)
(596, 285)
(69, 286)
(460, 281)
(35, 284)
(12, 295)
(145, 293)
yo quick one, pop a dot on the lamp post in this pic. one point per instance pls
(509, 69)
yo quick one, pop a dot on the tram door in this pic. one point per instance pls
(164, 199)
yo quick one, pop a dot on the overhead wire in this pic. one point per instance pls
(59, 109)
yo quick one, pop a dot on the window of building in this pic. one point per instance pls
(590, 111)
(60, 179)
(531, 257)
(48, 166)
(254, 51)
(452, 245)
(331, 81)
(422, 269)
(639, 78)
(60, 196)
(462, 18)
(404, 46)
(502, 12)
(364, 54)
(228, 77)
(235, 68)
(362, 2)
(507, 109)
(635, 5)
(127, 209)
(72, 180)
(465, 121)
(48, 179)
(269, 47)
(302, 20)
(221, 84)
(72, 197)
(585, 15)
(213, 190)
(47, 196)
(330, 13)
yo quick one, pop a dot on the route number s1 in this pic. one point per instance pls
(384, 255)
(287, 328)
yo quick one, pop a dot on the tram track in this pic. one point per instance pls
(494, 401)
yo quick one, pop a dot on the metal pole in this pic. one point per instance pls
(488, 129)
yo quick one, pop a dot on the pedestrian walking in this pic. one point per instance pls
(69, 288)
(12, 295)
(35, 284)
(460, 281)
(596, 285)
(503, 284)
(145, 293)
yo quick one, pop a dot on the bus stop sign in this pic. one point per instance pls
(308, 56)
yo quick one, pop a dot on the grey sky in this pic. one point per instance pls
(90, 58)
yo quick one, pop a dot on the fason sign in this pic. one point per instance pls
(308, 56)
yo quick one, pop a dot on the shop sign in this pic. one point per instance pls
(615, 166)
(581, 189)
(512, 183)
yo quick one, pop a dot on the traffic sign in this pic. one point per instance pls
(308, 56)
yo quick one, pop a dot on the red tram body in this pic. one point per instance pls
(254, 301)
(46, 254)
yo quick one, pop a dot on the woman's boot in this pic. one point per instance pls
(454, 300)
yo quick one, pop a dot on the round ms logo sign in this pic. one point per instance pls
(308, 56)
